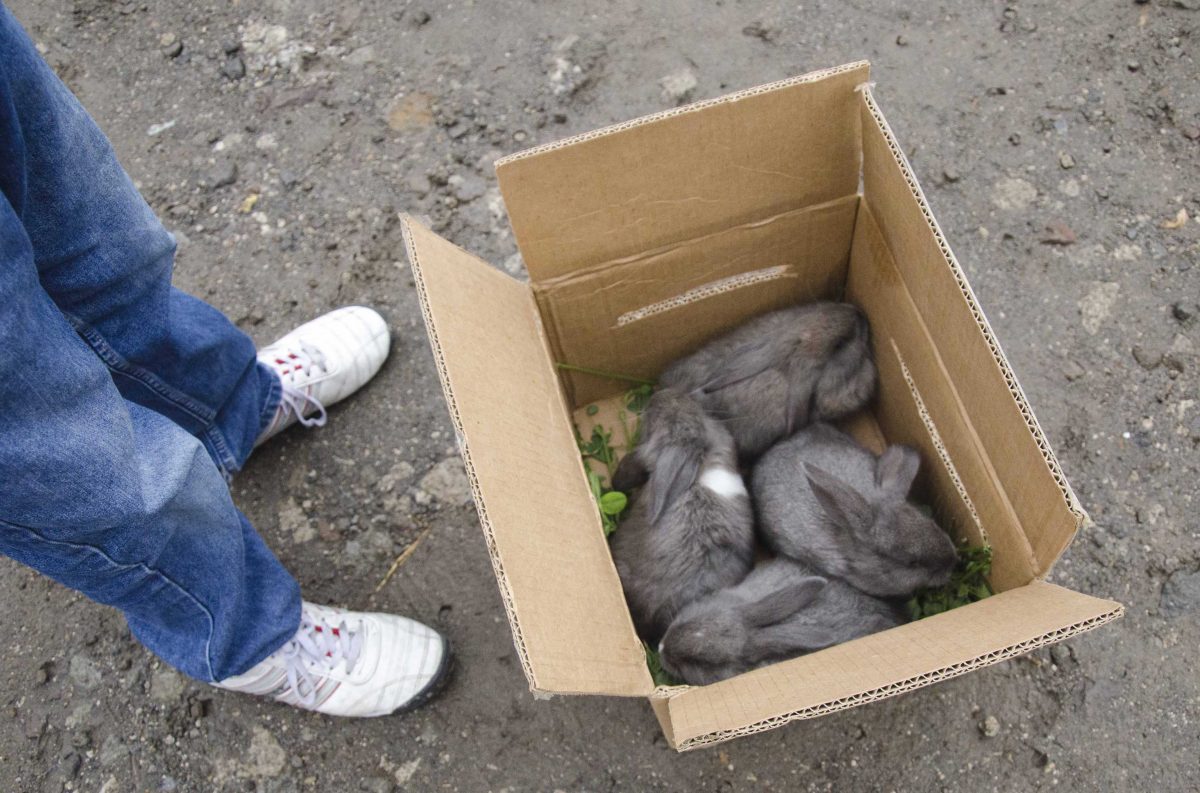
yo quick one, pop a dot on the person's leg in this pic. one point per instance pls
(119, 502)
(106, 261)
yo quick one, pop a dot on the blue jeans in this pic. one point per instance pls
(124, 403)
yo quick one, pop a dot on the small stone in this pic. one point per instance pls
(990, 727)
(230, 46)
(467, 188)
(1191, 131)
(951, 175)
(84, 672)
(447, 482)
(223, 174)
(1133, 66)
(1072, 370)
(418, 184)
(166, 686)
(901, 40)
(1183, 313)
(419, 17)
(1180, 594)
(266, 142)
(1013, 193)
(167, 39)
(173, 48)
(1066, 161)
(1148, 356)
(362, 56)
(265, 757)
(234, 68)
(678, 86)
(112, 751)
(1097, 304)
(456, 131)
(1015, 139)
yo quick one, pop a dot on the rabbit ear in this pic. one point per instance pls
(631, 473)
(782, 603)
(750, 360)
(896, 469)
(675, 471)
(841, 502)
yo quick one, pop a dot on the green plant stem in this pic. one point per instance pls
(570, 367)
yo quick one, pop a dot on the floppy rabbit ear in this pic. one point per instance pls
(841, 502)
(896, 469)
(631, 473)
(782, 603)
(674, 472)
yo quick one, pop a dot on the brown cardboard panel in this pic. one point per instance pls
(636, 316)
(885, 664)
(685, 173)
(999, 414)
(952, 451)
(564, 601)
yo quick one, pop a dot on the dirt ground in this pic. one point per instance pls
(1058, 143)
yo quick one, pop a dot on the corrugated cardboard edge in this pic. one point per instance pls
(506, 595)
(1010, 378)
(894, 689)
(811, 77)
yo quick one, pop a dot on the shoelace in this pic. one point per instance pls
(317, 642)
(292, 362)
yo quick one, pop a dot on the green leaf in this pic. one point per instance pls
(593, 410)
(613, 502)
(660, 676)
(967, 584)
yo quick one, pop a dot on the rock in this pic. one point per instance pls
(1133, 66)
(678, 86)
(266, 142)
(1180, 594)
(1072, 370)
(447, 482)
(154, 130)
(397, 476)
(294, 521)
(1097, 304)
(170, 45)
(223, 174)
(990, 727)
(1058, 233)
(418, 17)
(166, 686)
(467, 188)
(1013, 194)
(901, 40)
(418, 184)
(1148, 355)
(265, 758)
(377, 784)
(1183, 313)
(84, 672)
(1066, 161)
(230, 46)
(951, 175)
(234, 68)
(405, 772)
(112, 751)
(362, 56)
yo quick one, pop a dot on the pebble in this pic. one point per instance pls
(112, 751)
(1013, 193)
(467, 188)
(901, 40)
(223, 174)
(166, 685)
(418, 183)
(234, 68)
(1182, 313)
(1148, 355)
(84, 672)
(1072, 370)
(1066, 161)
(678, 86)
(1180, 594)
(1097, 304)
(230, 46)
(951, 175)
(447, 482)
(990, 727)
(170, 45)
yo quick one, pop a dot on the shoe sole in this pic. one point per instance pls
(436, 685)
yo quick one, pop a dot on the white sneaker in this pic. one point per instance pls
(351, 663)
(324, 361)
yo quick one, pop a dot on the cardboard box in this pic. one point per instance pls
(644, 239)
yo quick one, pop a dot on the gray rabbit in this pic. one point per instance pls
(778, 372)
(825, 500)
(781, 610)
(690, 529)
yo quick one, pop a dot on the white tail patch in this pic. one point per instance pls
(723, 482)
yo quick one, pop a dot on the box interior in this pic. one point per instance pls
(695, 220)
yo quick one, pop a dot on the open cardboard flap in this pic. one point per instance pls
(569, 620)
